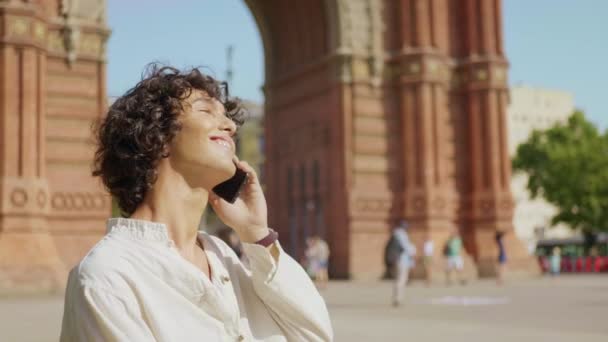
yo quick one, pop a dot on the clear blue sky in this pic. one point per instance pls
(184, 33)
(558, 44)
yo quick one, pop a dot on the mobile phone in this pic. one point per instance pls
(230, 189)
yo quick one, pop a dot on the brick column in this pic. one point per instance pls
(28, 257)
(76, 98)
(490, 204)
(423, 66)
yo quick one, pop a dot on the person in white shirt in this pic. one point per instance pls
(317, 259)
(404, 263)
(154, 277)
(427, 261)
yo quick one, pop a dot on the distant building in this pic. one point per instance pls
(530, 109)
(250, 146)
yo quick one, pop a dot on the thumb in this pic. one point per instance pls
(214, 200)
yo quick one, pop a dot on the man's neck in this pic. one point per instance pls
(173, 202)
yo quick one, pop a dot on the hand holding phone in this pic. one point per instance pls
(230, 189)
(240, 203)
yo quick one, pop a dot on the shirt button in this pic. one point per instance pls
(240, 338)
(225, 279)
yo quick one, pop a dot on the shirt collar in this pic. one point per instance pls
(137, 229)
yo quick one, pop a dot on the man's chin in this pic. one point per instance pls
(231, 168)
(211, 175)
(226, 172)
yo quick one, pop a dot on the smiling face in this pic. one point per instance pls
(203, 150)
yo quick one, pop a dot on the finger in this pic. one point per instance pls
(214, 199)
(253, 176)
(219, 205)
(243, 165)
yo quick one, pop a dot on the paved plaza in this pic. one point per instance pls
(569, 308)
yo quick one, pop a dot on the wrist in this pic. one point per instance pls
(253, 234)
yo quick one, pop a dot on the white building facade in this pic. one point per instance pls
(530, 109)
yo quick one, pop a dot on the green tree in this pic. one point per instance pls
(568, 166)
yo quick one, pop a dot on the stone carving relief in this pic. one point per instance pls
(18, 26)
(71, 38)
(22, 27)
(79, 201)
(359, 36)
(74, 13)
(88, 10)
(23, 195)
(19, 197)
(372, 205)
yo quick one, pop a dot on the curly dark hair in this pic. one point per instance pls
(133, 137)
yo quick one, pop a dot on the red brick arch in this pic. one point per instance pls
(375, 110)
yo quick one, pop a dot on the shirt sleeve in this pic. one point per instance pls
(99, 314)
(290, 295)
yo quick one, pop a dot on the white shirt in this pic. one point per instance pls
(405, 260)
(429, 248)
(135, 286)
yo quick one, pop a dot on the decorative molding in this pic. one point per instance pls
(377, 208)
(23, 195)
(41, 198)
(481, 75)
(419, 203)
(492, 206)
(18, 27)
(414, 68)
(500, 74)
(359, 40)
(19, 197)
(22, 29)
(477, 72)
(78, 201)
(39, 31)
(91, 45)
(437, 205)
(420, 67)
(372, 204)
(377, 40)
(84, 10)
(55, 42)
(75, 14)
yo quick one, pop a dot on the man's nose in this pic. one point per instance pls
(228, 125)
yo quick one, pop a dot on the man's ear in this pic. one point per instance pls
(166, 151)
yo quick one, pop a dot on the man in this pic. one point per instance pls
(323, 253)
(403, 263)
(162, 148)
(453, 251)
(427, 259)
(317, 260)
